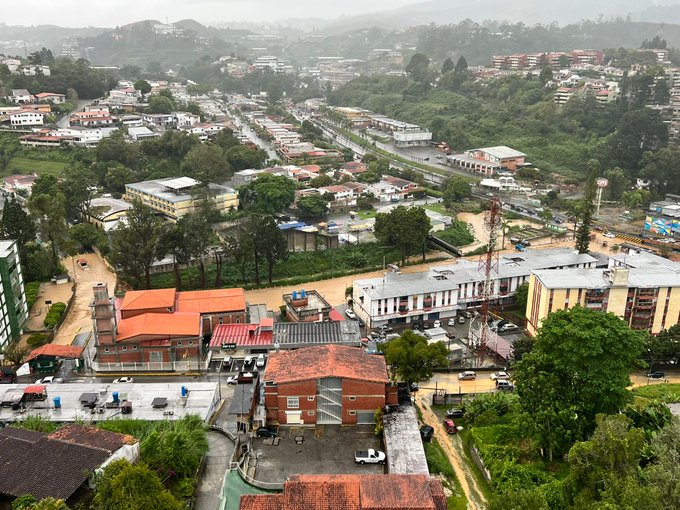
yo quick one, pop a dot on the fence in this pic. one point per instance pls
(271, 486)
(149, 366)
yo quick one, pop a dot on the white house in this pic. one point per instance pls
(26, 119)
(22, 96)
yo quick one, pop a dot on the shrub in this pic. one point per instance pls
(54, 315)
(36, 339)
(32, 290)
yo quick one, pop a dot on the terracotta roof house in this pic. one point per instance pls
(352, 492)
(58, 464)
(354, 384)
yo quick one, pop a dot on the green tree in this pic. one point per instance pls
(618, 183)
(268, 194)
(662, 168)
(176, 447)
(312, 206)
(198, 238)
(174, 243)
(161, 104)
(135, 245)
(583, 229)
(242, 158)
(122, 486)
(17, 224)
(50, 213)
(413, 358)
(447, 66)
(663, 473)
(88, 236)
(407, 229)
(546, 74)
(457, 189)
(226, 139)
(143, 87)
(419, 68)
(461, 65)
(321, 181)
(78, 185)
(207, 163)
(522, 297)
(271, 243)
(578, 367)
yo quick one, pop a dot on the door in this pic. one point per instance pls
(329, 401)
(365, 417)
(294, 417)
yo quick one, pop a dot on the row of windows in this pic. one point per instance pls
(134, 347)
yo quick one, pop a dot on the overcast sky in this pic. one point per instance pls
(109, 13)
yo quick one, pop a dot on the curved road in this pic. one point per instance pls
(209, 490)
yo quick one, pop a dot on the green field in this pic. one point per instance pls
(22, 165)
(663, 392)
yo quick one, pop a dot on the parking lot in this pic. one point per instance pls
(326, 449)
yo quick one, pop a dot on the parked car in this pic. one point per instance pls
(451, 322)
(226, 362)
(437, 324)
(232, 379)
(266, 432)
(468, 375)
(508, 327)
(385, 328)
(426, 433)
(450, 426)
(455, 412)
(414, 387)
(504, 385)
(656, 374)
(123, 380)
(350, 313)
(369, 456)
(48, 380)
(248, 360)
(461, 320)
(467, 315)
(260, 361)
(499, 375)
(610, 235)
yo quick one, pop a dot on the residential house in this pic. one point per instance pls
(356, 492)
(563, 94)
(26, 119)
(108, 213)
(51, 97)
(19, 183)
(326, 385)
(353, 168)
(92, 118)
(306, 306)
(342, 195)
(22, 96)
(140, 133)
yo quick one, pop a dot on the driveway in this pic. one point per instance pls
(209, 491)
(326, 449)
(78, 318)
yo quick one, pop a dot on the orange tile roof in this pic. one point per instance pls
(160, 324)
(352, 492)
(61, 351)
(211, 301)
(325, 361)
(148, 299)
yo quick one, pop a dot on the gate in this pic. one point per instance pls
(329, 401)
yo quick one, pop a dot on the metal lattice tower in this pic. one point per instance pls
(488, 265)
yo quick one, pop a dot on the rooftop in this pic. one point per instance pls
(404, 448)
(60, 351)
(102, 207)
(160, 324)
(211, 301)
(640, 278)
(148, 299)
(325, 361)
(502, 152)
(352, 492)
(175, 189)
(202, 399)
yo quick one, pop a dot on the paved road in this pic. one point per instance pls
(209, 490)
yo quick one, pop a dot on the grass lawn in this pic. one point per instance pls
(364, 215)
(22, 165)
(438, 208)
(668, 393)
(439, 463)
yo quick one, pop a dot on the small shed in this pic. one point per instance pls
(46, 359)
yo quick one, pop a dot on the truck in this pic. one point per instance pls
(369, 456)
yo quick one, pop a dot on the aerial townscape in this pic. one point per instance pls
(412, 255)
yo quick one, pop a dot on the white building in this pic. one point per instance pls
(26, 119)
(444, 290)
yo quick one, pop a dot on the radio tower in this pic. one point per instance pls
(479, 333)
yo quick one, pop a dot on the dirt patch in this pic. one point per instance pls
(453, 447)
(48, 292)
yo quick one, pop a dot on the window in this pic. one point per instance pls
(190, 342)
(310, 398)
(125, 348)
(352, 413)
(179, 344)
(310, 413)
(134, 347)
(106, 349)
(352, 398)
(293, 402)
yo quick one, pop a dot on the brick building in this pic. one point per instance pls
(159, 326)
(357, 492)
(329, 384)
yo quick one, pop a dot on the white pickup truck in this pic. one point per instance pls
(369, 456)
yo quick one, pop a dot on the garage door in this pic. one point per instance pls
(365, 417)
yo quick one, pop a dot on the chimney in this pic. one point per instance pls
(618, 276)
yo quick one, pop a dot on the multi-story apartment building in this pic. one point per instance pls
(444, 290)
(173, 198)
(13, 305)
(641, 288)
(563, 94)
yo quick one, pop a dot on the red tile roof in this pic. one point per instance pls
(325, 361)
(241, 335)
(211, 301)
(148, 299)
(336, 316)
(160, 324)
(352, 492)
(61, 351)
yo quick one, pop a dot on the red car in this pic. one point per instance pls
(450, 426)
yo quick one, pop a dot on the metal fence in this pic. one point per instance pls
(149, 366)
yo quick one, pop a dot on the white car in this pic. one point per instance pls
(260, 361)
(232, 379)
(609, 235)
(122, 380)
(496, 376)
(451, 322)
(350, 313)
(46, 380)
(437, 324)
(248, 360)
(509, 327)
(369, 456)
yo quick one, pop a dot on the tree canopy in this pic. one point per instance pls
(268, 194)
(413, 357)
(405, 228)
